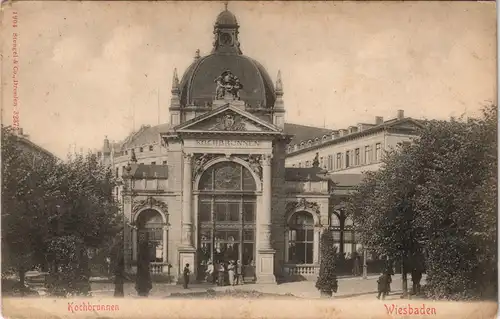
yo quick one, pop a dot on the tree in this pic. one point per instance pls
(44, 199)
(28, 188)
(438, 196)
(457, 207)
(327, 279)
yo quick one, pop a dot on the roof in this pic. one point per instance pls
(407, 124)
(313, 174)
(303, 132)
(197, 86)
(346, 179)
(146, 135)
(33, 147)
(226, 18)
(140, 171)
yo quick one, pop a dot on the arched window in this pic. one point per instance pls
(227, 176)
(301, 238)
(226, 215)
(150, 228)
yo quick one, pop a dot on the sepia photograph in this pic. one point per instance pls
(249, 159)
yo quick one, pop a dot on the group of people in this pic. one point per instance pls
(225, 273)
(385, 279)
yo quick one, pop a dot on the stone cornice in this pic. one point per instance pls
(353, 136)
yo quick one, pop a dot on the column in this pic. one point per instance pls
(134, 244)
(265, 252)
(317, 233)
(165, 249)
(187, 191)
(265, 221)
(186, 249)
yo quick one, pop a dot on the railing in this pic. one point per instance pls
(157, 267)
(302, 270)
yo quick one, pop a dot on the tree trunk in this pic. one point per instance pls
(22, 280)
(404, 281)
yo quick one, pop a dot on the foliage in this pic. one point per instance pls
(437, 196)
(44, 198)
(327, 279)
(72, 274)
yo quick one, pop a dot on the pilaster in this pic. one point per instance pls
(265, 252)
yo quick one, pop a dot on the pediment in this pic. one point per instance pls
(227, 119)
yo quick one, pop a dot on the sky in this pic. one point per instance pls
(92, 69)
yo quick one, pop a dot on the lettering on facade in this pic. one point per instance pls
(227, 143)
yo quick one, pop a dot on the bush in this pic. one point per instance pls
(327, 279)
(71, 276)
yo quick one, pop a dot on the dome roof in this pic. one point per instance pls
(226, 17)
(197, 85)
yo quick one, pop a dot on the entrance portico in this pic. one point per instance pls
(227, 190)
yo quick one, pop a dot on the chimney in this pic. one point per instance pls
(379, 120)
(401, 114)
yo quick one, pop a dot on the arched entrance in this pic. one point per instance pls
(226, 216)
(150, 228)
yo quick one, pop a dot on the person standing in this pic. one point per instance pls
(416, 277)
(230, 271)
(239, 272)
(383, 285)
(221, 272)
(209, 272)
(186, 273)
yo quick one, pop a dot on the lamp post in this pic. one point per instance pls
(365, 266)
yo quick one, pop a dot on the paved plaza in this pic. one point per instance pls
(352, 288)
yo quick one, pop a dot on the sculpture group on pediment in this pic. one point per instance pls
(227, 83)
(229, 122)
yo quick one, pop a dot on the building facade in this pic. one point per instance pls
(228, 179)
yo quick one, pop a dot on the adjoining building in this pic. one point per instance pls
(228, 179)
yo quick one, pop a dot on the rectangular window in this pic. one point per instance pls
(164, 163)
(300, 164)
(330, 162)
(116, 174)
(356, 156)
(321, 162)
(368, 157)
(150, 147)
(153, 163)
(249, 211)
(205, 211)
(378, 151)
(220, 211)
(339, 161)
(141, 149)
(347, 163)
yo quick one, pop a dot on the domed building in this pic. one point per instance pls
(211, 186)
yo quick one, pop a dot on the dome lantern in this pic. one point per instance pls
(226, 33)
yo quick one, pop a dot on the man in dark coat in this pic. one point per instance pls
(186, 273)
(383, 283)
(416, 277)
